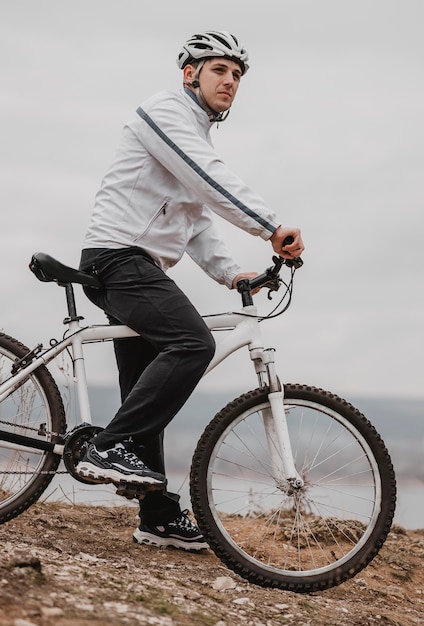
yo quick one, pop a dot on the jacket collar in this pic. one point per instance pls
(195, 99)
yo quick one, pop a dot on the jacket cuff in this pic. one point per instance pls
(230, 276)
(267, 234)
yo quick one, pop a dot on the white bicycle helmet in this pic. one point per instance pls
(213, 44)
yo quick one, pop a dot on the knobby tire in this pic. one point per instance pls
(275, 536)
(34, 409)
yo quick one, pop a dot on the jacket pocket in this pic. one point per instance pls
(161, 211)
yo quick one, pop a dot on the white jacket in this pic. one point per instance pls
(163, 183)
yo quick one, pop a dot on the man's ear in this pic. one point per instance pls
(188, 73)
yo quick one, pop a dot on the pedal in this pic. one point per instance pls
(135, 491)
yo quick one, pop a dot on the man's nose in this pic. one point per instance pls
(229, 78)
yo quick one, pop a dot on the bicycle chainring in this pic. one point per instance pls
(74, 449)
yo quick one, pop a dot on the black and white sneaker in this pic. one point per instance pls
(117, 465)
(180, 533)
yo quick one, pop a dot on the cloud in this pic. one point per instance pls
(327, 127)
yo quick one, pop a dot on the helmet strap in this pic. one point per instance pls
(195, 85)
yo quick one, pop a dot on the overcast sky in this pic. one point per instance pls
(327, 126)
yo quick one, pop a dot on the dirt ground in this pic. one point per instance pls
(75, 565)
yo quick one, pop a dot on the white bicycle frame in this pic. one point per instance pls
(243, 330)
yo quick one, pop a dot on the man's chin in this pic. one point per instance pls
(222, 104)
(221, 108)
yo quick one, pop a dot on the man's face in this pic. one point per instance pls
(219, 81)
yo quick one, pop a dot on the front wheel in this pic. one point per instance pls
(273, 534)
(34, 409)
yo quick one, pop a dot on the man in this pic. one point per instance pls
(155, 203)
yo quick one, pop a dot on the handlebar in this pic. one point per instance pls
(271, 275)
(269, 279)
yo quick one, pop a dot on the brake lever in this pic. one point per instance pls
(296, 262)
(273, 284)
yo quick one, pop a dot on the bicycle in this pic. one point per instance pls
(291, 485)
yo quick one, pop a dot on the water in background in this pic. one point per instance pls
(399, 421)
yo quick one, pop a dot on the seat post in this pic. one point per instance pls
(72, 310)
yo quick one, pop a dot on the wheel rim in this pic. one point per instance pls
(304, 533)
(25, 411)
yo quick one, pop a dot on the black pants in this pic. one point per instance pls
(158, 370)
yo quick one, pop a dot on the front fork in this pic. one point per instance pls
(275, 422)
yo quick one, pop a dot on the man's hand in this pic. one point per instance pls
(247, 275)
(291, 250)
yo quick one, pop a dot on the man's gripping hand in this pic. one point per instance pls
(247, 275)
(280, 238)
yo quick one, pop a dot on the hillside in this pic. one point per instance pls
(77, 566)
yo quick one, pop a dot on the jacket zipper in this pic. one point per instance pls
(153, 219)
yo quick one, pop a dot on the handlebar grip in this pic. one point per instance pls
(295, 261)
(258, 281)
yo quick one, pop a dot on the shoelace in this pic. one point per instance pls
(130, 457)
(183, 522)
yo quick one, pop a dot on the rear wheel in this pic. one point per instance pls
(274, 535)
(35, 409)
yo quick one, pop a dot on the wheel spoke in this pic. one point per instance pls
(34, 408)
(316, 535)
